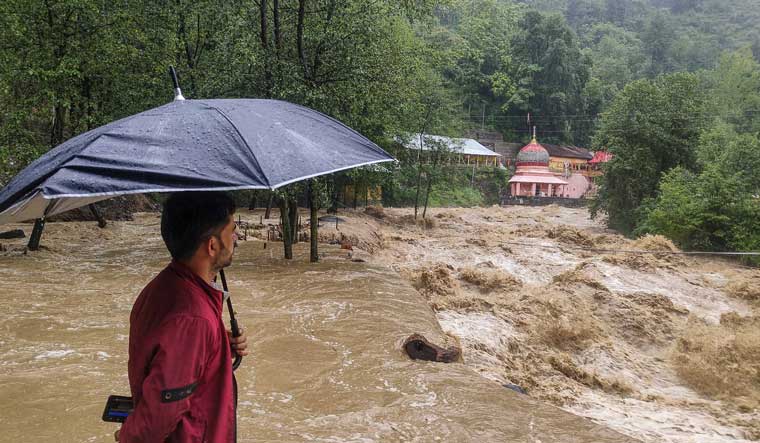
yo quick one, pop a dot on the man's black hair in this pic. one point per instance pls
(189, 218)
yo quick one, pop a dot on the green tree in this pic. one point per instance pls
(475, 54)
(617, 59)
(735, 86)
(712, 210)
(694, 210)
(692, 50)
(658, 37)
(651, 127)
(618, 56)
(548, 61)
(733, 152)
(708, 200)
(67, 66)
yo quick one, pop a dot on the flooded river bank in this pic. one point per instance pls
(326, 361)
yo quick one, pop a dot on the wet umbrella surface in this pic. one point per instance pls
(188, 145)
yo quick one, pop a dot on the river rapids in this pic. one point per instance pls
(593, 338)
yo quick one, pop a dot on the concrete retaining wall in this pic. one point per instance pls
(545, 201)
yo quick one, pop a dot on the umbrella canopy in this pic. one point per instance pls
(188, 145)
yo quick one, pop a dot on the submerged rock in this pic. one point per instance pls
(419, 348)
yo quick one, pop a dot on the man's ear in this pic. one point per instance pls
(212, 246)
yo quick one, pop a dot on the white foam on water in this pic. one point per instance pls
(477, 327)
(428, 400)
(54, 354)
(706, 303)
(654, 422)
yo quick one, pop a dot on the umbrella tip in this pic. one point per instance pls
(177, 91)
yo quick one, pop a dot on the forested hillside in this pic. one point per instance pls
(671, 87)
(565, 64)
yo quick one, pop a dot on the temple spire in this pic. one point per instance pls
(534, 136)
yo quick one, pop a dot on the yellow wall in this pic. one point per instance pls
(558, 163)
(483, 160)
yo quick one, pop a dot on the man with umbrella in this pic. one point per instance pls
(199, 146)
(180, 354)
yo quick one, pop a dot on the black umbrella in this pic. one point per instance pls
(188, 145)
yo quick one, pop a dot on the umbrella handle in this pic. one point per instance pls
(233, 321)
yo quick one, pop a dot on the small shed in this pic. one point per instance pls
(465, 151)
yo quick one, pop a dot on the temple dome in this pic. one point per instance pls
(533, 154)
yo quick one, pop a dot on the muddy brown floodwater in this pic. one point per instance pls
(663, 348)
(326, 363)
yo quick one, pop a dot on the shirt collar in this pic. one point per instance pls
(184, 271)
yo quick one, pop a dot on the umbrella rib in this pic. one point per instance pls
(269, 184)
(279, 185)
(153, 190)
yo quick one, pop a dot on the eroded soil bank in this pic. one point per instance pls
(659, 347)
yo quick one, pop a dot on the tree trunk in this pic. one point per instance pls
(299, 39)
(34, 239)
(276, 19)
(333, 209)
(287, 237)
(56, 134)
(430, 183)
(190, 52)
(334, 196)
(263, 24)
(417, 192)
(253, 200)
(427, 197)
(101, 221)
(293, 216)
(313, 224)
(264, 38)
(269, 205)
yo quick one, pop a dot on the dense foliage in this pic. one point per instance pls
(691, 168)
(650, 128)
(671, 87)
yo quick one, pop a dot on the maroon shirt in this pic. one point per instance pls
(180, 368)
